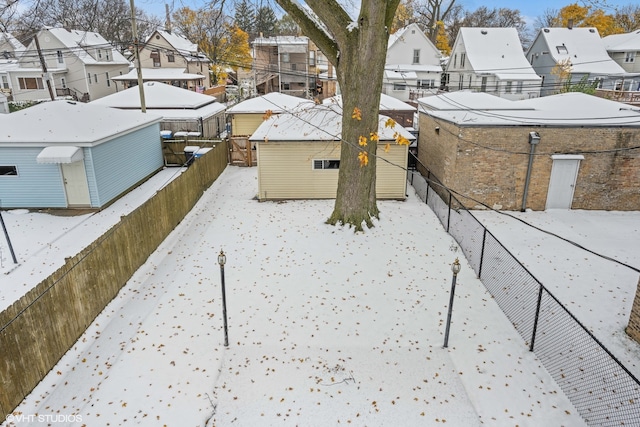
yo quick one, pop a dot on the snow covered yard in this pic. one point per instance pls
(325, 327)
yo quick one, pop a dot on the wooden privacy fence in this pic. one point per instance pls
(39, 328)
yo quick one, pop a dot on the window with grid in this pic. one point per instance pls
(326, 164)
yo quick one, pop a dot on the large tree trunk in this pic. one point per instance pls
(358, 51)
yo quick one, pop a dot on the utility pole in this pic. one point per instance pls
(134, 32)
(44, 68)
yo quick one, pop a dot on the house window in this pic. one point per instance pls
(60, 58)
(461, 82)
(95, 78)
(508, 86)
(463, 57)
(630, 57)
(8, 170)
(30, 83)
(399, 86)
(416, 56)
(312, 58)
(108, 81)
(455, 60)
(326, 164)
(426, 84)
(5, 82)
(171, 57)
(519, 86)
(107, 55)
(285, 86)
(562, 50)
(294, 67)
(155, 55)
(285, 57)
(63, 82)
(483, 85)
(89, 78)
(99, 54)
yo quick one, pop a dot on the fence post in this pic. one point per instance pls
(426, 198)
(484, 239)
(535, 322)
(449, 214)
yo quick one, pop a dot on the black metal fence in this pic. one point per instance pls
(603, 391)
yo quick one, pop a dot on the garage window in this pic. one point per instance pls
(326, 164)
(8, 170)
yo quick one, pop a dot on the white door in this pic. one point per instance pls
(564, 172)
(75, 184)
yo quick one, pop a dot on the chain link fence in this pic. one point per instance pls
(603, 391)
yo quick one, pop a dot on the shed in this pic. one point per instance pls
(65, 154)
(566, 151)
(299, 156)
(181, 110)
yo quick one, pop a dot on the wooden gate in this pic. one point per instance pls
(242, 151)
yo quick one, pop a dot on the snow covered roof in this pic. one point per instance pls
(430, 68)
(180, 43)
(494, 50)
(186, 114)
(562, 110)
(281, 40)
(465, 99)
(156, 95)
(629, 42)
(11, 44)
(159, 74)
(275, 101)
(400, 75)
(68, 122)
(318, 123)
(75, 39)
(583, 47)
(387, 103)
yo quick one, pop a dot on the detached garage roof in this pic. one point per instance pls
(69, 123)
(156, 95)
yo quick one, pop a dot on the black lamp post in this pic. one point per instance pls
(222, 259)
(455, 268)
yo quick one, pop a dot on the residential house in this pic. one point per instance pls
(10, 49)
(167, 50)
(624, 49)
(79, 64)
(413, 65)
(68, 154)
(181, 110)
(299, 156)
(491, 60)
(402, 112)
(565, 151)
(582, 55)
(290, 65)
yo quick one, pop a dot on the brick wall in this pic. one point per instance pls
(489, 164)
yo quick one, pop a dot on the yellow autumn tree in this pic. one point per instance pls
(232, 52)
(403, 17)
(442, 40)
(583, 16)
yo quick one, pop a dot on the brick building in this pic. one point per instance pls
(578, 151)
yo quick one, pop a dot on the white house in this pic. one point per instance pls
(10, 50)
(581, 50)
(491, 60)
(624, 49)
(80, 64)
(412, 67)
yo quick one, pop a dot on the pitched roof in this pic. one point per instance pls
(496, 50)
(156, 95)
(181, 44)
(318, 123)
(159, 74)
(12, 42)
(91, 125)
(78, 41)
(274, 101)
(387, 102)
(563, 110)
(582, 46)
(622, 42)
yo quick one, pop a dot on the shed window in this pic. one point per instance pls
(326, 164)
(8, 170)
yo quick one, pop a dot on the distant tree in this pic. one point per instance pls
(430, 12)
(442, 41)
(496, 17)
(628, 18)
(245, 18)
(286, 26)
(266, 21)
(233, 53)
(404, 16)
(584, 16)
(546, 20)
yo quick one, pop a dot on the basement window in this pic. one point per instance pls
(326, 164)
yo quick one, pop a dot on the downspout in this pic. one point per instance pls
(534, 139)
